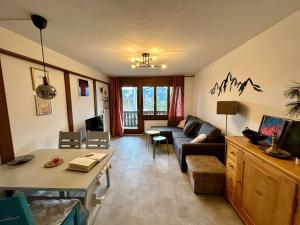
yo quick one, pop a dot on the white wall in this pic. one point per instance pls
(271, 60)
(101, 111)
(83, 106)
(29, 131)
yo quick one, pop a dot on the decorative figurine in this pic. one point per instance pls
(273, 148)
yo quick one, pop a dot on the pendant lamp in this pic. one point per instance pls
(45, 90)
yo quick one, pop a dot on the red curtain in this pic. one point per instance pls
(176, 110)
(116, 108)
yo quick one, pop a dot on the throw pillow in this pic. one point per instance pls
(199, 139)
(190, 127)
(181, 124)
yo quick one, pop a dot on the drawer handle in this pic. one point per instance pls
(231, 165)
(232, 153)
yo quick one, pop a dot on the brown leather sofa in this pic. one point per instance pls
(214, 145)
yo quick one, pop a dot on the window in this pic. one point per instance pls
(148, 100)
(130, 107)
(155, 100)
(161, 100)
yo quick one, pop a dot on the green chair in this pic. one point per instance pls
(16, 211)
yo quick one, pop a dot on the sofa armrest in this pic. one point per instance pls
(214, 149)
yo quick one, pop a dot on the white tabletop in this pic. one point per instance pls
(152, 132)
(33, 175)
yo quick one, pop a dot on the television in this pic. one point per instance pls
(94, 123)
(270, 124)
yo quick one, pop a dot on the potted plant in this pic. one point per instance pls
(293, 93)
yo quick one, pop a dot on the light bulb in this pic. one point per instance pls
(152, 66)
(132, 59)
(137, 64)
(164, 66)
(133, 66)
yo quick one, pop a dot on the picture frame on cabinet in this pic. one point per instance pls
(43, 106)
(37, 75)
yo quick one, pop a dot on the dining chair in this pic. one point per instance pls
(69, 140)
(16, 211)
(97, 140)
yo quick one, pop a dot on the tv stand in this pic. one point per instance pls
(262, 189)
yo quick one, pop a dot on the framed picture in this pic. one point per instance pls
(43, 106)
(105, 102)
(270, 124)
(37, 77)
(83, 87)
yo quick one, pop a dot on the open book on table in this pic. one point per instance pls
(86, 163)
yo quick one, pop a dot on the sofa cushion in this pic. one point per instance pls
(181, 124)
(199, 139)
(179, 141)
(211, 132)
(179, 134)
(162, 128)
(190, 127)
(190, 117)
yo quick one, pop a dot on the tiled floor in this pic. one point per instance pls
(155, 192)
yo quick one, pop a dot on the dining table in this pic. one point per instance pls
(33, 176)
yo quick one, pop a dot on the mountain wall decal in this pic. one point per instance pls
(233, 82)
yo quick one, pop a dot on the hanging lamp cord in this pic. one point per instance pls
(41, 36)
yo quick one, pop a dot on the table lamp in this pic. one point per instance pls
(227, 108)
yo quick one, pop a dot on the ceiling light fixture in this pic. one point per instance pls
(45, 90)
(146, 62)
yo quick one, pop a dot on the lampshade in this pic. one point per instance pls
(45, 90)
(227, 107)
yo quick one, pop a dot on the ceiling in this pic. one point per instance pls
(185, 35)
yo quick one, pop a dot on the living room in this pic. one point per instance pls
(175, 85)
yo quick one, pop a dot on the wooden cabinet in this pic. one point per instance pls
(262, 189)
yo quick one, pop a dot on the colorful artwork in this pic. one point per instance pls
(272, 124)
(83, 88)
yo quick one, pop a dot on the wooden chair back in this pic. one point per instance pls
(97, 140)
(69, 140)
(15, 211)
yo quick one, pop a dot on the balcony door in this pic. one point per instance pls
(131, 110)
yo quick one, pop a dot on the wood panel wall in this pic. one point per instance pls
(6, 144)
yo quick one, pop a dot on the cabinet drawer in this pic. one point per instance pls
(231, 166)
(230, 178)
(230, 193)
(232, 153)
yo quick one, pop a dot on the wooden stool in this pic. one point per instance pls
(206, 174)
(158, 140)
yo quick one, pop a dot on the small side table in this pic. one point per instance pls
(158, 140)
(150, 134)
